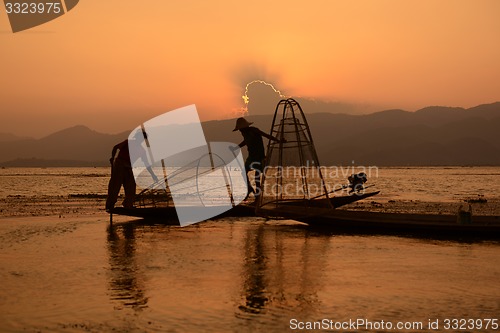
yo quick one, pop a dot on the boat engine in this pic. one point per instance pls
(357, 181)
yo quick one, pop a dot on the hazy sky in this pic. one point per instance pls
(113, 64)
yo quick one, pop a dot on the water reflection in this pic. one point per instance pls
(283, 269)
(255, 283)
(126, 283)
(279, 270)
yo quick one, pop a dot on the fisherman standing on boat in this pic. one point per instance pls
(121, 174)
(252, 138)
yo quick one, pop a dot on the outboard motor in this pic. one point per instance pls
(357, 181)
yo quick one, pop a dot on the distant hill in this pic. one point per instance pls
(8, 137)
(430, 136)
(41, 163)
(71, 145)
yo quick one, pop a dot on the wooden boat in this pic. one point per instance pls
(348, 221)
(366, 222)
(169, 215)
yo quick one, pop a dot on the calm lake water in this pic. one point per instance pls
(240, 275)
(441, 184)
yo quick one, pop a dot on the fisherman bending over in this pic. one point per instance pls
(252, 138)
(121, 174)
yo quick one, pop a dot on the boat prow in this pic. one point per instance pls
(349, 199)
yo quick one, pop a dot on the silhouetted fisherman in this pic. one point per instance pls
(121, 174)
(252, 138)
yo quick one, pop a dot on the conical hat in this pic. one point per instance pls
(242, 123)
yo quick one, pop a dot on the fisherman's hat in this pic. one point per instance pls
(241, 123)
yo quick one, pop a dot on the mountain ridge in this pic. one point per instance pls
(429, 136)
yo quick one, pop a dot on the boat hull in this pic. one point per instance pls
(432, 225)
(168, 215)
(350, 221)
(243, 209)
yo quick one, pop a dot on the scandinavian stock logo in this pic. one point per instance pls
(169, 153)
(26, 14)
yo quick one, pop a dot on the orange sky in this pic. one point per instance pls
(113, 64)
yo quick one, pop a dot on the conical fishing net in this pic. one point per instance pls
(292, 175)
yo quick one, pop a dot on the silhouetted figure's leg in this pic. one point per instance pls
(114, 185)
(258, 173)
(129, 187)
(248, 168)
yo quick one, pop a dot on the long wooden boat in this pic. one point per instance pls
(367, 222)
(351, 221)
(168, 213)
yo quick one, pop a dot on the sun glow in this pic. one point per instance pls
(245, 97)
(243, 111)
